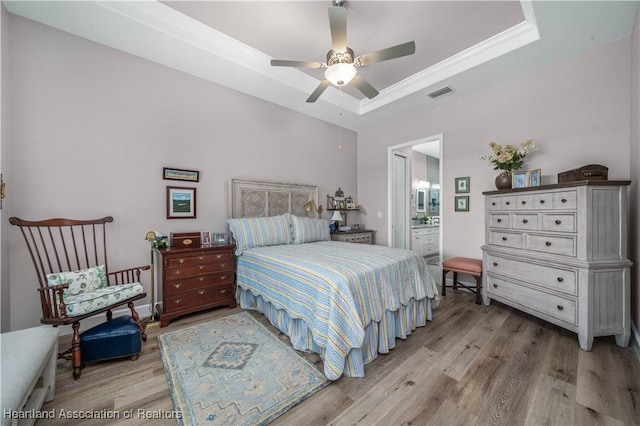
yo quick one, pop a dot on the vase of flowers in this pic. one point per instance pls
(508, 158)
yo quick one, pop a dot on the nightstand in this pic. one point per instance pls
(361, 236)
(194, 279)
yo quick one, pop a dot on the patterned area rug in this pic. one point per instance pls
(233, 371)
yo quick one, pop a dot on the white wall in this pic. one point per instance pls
(634, 160)
(92, 127)
(5, 314)
(576, 110)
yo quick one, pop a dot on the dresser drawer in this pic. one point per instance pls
(505, 239)
(525, 221)
(564, 309)
(543, 201)
(552, 244)
(494, 203)
(558, 222)
(199, 259)
(195, 283)
(205, 268)
(190, 299)
(499, 220)
(565, 200)
(524, 202)
(562, 280)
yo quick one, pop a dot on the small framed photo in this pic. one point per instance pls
(533, 177)
(205, 237)
(181, 203)
(462, 185)
(178, 174)
(462, 203)
(220, 238)
(519, 180)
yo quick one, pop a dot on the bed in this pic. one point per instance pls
(346, 302)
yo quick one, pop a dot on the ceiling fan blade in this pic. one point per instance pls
(338, 24)
(363, 85)
(297, 64)
(316, 93)
(398, 51)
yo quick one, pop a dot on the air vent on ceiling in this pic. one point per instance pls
(440, 92)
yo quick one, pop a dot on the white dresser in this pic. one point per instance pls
(425, 239)
(559, 252)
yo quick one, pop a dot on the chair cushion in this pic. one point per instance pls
(463, 264)
(117, 338)
(85, 303)
(80, 281)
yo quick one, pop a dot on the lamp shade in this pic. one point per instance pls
(336, 216)
(340, 74)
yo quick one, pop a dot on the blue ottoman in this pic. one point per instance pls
(118, 338)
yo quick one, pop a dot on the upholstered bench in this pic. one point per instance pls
(118, 338)
(464, 265)
(27, 355)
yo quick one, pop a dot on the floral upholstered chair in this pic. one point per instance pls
(70, 258)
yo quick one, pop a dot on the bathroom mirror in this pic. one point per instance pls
(421, 200)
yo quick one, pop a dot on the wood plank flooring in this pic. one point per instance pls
(471, 365)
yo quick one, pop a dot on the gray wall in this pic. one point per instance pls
(92, 127)
(634, 161)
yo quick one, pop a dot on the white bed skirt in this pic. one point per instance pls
(379, 337)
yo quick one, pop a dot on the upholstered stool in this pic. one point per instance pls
(118, 338)
(464, 265)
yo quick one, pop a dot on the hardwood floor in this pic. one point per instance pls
(471, 365)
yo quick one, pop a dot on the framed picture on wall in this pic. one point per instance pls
(462, 203)
(181, 202)
(462, 185)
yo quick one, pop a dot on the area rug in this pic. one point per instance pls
(233, 371)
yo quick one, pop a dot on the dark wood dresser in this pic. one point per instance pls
(194, 279)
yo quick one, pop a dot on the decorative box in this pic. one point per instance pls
(588, 172)
(185, 240)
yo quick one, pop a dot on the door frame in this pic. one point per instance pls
(390, 152)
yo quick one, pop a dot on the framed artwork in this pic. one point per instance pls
(533, 177)
(220, 238)
(462, 185)
(462, 203)
(178, 174)
(205, 237)
(181, 203)
(519, 180)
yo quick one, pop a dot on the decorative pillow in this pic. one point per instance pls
(308, 230)
(252, 232)
(82, 281)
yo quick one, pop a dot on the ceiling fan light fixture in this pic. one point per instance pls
(340, 74)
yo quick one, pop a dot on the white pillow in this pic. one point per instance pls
(308, 230)
(252, 232)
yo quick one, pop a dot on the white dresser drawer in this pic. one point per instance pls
(565, 200)
(509, 202)
(543, 201)
(499, 220)
(552, 244)
(558, 307)
(494, 203)
(505, 239)
(558, 222)
(558, 279)
(525, 221)
(524, 202)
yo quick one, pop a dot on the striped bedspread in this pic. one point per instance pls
(336, 288)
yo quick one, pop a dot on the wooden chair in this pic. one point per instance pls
(70, 258)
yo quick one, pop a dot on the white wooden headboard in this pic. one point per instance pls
(252, 198)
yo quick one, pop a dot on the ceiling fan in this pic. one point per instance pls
(340, 68)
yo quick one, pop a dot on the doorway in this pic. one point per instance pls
(414, 169)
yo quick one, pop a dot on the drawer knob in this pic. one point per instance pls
(524, 202)
(525, 221)
(564, 200)
(548, 243)
(178, 285)
(222, 265)
(201, 266)
(499, 220)
(200, 257)
(541, 201)
(495, 286)
(222, 277)
(181, 260)
(558, 222)
(504, 238)
(560, 307)
(202, 291)
(223, 291)
(560, 279)
(493, 204)
(495, 263)
(201, 279)
(177, 271)
(507, 203)
(219, 256)
(178, 301)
